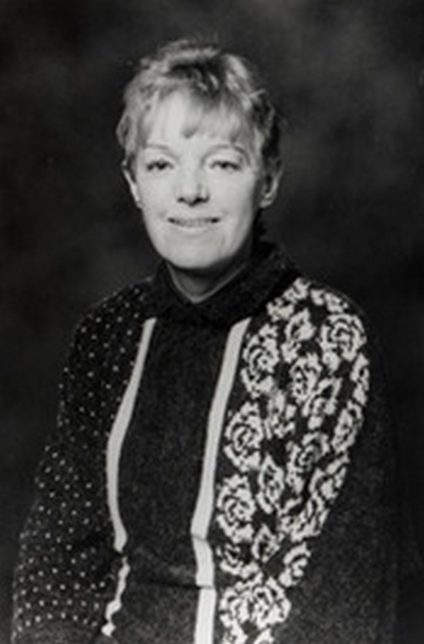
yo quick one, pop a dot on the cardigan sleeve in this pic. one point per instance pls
(66, 555)
(349, 591)
(315, 553)
(341, 572)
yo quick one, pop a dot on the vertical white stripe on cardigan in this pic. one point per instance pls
(113, 453)
(204, 504)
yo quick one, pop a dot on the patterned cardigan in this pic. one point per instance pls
(221, 472)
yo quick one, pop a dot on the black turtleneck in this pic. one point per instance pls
(162, 455)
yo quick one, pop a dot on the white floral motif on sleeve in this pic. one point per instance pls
(305, 373)
(231, 561)
(271, 484)
(302, 457)
(333, 302)
(322, 403)
(341, 337)
(265, 637)
(259, 600)
(317, 395)
(298, 330)
(347, 426)
(245, 434)
(236, 508)
(265, 544)
(323, 489)
(279, 422)
(261, 357)
(361, 376)
(294, 565)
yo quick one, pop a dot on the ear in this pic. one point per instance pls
(129, 177)
(270, 184)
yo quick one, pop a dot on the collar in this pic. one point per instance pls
(268, 272)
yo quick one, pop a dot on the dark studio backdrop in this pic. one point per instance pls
(348, 76)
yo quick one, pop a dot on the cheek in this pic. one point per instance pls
(241, 205)
(152, 200)
(241, 194)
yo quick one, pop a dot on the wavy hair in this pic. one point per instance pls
(218, 83)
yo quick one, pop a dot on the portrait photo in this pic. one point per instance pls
(212, 322)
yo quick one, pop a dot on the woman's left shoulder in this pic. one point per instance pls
(313, 319)
(314, 300)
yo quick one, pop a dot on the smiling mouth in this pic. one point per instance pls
(193, 222)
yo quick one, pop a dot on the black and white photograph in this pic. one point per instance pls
(212, 322)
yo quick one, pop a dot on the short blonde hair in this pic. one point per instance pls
(216, 81)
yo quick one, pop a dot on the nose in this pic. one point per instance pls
(191, 186)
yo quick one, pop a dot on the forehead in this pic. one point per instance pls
(181, 114)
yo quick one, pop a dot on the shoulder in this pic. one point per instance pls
(117, 310)
(317, 324)
(304, 292)
(111, 326)
(307, 306)
(104, 343)
(122, 303)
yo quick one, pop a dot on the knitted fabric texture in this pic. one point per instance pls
(255, 498)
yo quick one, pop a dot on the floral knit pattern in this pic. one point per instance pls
(305, 379)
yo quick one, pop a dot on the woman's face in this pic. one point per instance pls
(199, 193)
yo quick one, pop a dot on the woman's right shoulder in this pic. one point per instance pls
(129, 298)
(122, 310)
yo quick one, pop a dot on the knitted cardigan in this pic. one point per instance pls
(221, 472)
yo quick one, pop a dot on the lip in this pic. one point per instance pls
(193, 222)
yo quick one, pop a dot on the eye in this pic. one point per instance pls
(226, 164)
(158, 165)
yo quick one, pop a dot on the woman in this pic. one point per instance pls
(223, 470)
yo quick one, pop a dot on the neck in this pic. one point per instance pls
(197, 287)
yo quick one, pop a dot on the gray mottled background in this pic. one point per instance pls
(348, 76)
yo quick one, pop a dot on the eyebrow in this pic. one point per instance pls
(215, 148)
(229, 146)
(159, 146)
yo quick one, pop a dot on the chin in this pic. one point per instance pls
(194, 261)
